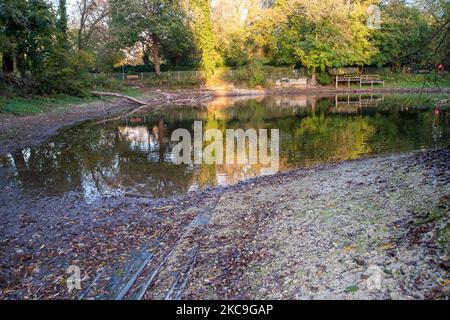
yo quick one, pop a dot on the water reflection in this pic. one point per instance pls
(134, 155)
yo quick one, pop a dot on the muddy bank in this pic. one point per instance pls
(331, 231)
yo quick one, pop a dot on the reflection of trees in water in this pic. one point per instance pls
(136, 156)
(318, 138)
(96, 160)
(323, 131)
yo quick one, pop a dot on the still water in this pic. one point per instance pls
(132, 155)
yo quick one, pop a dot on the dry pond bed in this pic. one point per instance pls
(372, 228)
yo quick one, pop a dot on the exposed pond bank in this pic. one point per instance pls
(18, 132)
(370, 228)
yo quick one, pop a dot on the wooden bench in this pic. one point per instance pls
(371, 79)
(298, 82)
(287, 82)
(132, 77)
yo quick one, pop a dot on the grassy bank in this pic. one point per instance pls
(431, 80)
(38, 104)
(24, 106)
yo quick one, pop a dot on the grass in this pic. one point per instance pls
(431, 80)
(32, 105)
(410, 81)
(352, 289)
(132, 92)
(38, 104)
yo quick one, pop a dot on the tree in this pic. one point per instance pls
(12, 27)
(28, 29)
(91, 15)
(317, 34)
(231, 26)
(62, 24)
(436, 48)
(203, 32)
(403, 33)
(150, 23)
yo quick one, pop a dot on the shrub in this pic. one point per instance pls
(65, 81)
(324, 78)
(102, 81)
(254, 73)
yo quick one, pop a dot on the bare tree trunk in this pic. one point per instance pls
(155, 55)
(314, 79)
(7, 63)
(82, 7)
(118, 95)
(79, 40)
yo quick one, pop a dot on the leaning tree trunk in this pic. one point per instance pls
(155, 55)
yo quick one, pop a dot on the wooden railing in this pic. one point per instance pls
(361, 79)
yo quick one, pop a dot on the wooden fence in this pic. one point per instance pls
(273, 73)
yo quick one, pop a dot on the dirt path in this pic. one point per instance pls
(368, 228)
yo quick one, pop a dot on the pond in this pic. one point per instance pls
(133, 154)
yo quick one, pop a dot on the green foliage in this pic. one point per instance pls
(324, 78)
(254, 73)
(325, 34)
(430, 80)
(352, 289)
(61, 24)
(168, 80)
(298, 32)
(20, 107)
(27, 34)
(235, 54)
(204, 35)
(37, 44)
(404, 30)
(103, 82)
(158, 26)
(40, 55)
